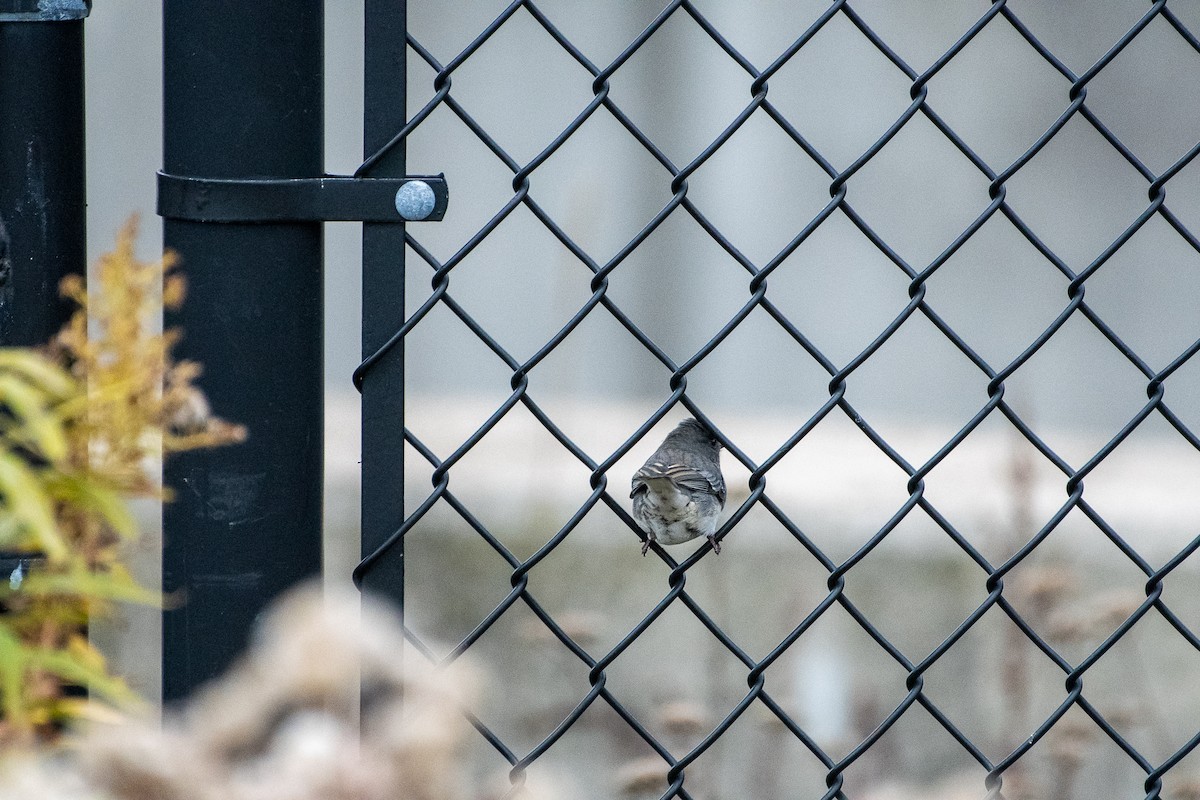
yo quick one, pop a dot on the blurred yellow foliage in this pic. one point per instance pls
(82, 426)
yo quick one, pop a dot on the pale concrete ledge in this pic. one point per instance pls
(835, 481)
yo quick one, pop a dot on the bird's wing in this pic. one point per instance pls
(697, 479)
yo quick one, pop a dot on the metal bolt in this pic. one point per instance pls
(415, 200)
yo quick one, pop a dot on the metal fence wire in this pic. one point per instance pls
(608, 487)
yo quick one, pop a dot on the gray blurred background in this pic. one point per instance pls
(1078, 194)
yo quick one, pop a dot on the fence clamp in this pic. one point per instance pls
(331, 198)
(44, 10)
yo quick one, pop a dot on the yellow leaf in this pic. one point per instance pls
(37, 369)
(116, 585)
(81, 708)
(173, 291)
(74, 288)
(35, 424)
(89, 495)
(11, 529)
(80, 669)
(25, 498)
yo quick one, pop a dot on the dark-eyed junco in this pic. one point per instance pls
(679, 491)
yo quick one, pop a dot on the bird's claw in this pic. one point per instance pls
(716, 546)
(645, 545)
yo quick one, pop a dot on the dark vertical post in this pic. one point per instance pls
(383, 305)
(243, 97)
(43, 207)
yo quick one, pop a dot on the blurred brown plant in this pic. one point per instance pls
(285, 724)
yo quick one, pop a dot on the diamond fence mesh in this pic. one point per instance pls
(829, 665)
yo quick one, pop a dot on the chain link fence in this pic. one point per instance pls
(827, 651)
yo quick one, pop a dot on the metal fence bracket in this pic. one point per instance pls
(44, 10)
(331, 198)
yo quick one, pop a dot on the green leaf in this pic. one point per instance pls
(82, 670)
(12, 676)
(39, 370)
(35, 422)
(115, 585)
(89, 494)
(26, 499)
(11, 529)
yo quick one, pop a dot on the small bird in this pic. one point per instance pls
(679, 491)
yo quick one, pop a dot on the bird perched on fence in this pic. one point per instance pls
(679, 491)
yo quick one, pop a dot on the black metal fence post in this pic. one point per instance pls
(382, 384)
(243, 98)
(43, 225)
